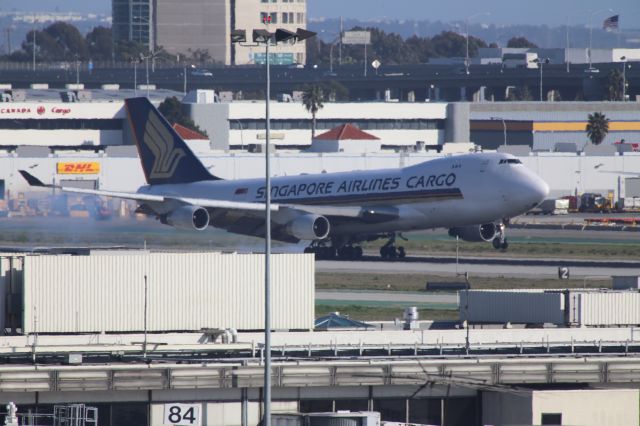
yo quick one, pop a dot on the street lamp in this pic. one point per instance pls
(146, 63)
(466, 58)
(540, 62)
(77, 69)
(624, 78)
(135, 77)
(504, 128)
(34, 43)
(241, 134)
(265, 38)
(590, 69)
(333, 43)
(145, 58)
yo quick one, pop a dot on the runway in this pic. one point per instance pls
(387, 299)
(517, 268)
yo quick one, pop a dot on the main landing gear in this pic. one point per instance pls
(325, 252)
(500, 241)
(390, 251)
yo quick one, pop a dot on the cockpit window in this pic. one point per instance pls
(510, 161)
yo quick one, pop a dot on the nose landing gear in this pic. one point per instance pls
(500, 241)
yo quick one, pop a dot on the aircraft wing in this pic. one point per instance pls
(369, 214)
(202, 202)
(244, 217)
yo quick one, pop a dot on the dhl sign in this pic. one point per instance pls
(78, 168)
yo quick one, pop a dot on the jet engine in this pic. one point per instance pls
(189, 218)
(309, 227)
(476, 233)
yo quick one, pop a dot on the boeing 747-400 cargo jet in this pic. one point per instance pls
(473, 195)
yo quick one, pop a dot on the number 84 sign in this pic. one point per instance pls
(182, 414)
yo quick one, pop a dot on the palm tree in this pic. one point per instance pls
(597, 127)
(312, 99)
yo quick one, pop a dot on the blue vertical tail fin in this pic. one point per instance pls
(165, 157)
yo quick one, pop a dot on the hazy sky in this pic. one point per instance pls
(551, 12)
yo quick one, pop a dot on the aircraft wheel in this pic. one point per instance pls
(383, 252)
(328, 253)
(401, 253)
(504, 245)
(308, 250)
(391, 252)
(358, 252)
(496, 243)
(346, 252)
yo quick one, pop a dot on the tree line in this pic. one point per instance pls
(63, 42)
(392, 49)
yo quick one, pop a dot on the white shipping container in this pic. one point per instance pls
(625, 282)
(604, 308)
(534, 306)
(185, 291)
(629, 203)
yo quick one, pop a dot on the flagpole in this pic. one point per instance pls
(591, 32)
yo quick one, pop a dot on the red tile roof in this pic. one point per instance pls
(188, 134)
(346, 132)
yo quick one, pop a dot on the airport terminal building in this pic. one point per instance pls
(49, 135)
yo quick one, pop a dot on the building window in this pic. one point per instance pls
(1, 189)
(62, 124)
(551, 419)
(285, 18)
(274, 18)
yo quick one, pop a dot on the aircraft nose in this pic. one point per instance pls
(539, 190)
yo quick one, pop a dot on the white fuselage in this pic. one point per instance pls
(446, 192)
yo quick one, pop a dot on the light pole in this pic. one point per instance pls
(135, 78)
(540, 62)
(333, 43)
(466, 21)
(591, 32)
(146, 58)
(146, 64)
(264, 37)
(624, 78)
(77, 69)
(241, 134)
(184, 70)
(504, 128)
(34, 44)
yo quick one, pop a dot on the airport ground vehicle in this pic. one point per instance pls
(552, 206)
(595, 203)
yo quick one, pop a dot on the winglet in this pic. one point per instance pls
(32, 180)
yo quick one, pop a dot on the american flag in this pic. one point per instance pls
(610, 23)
